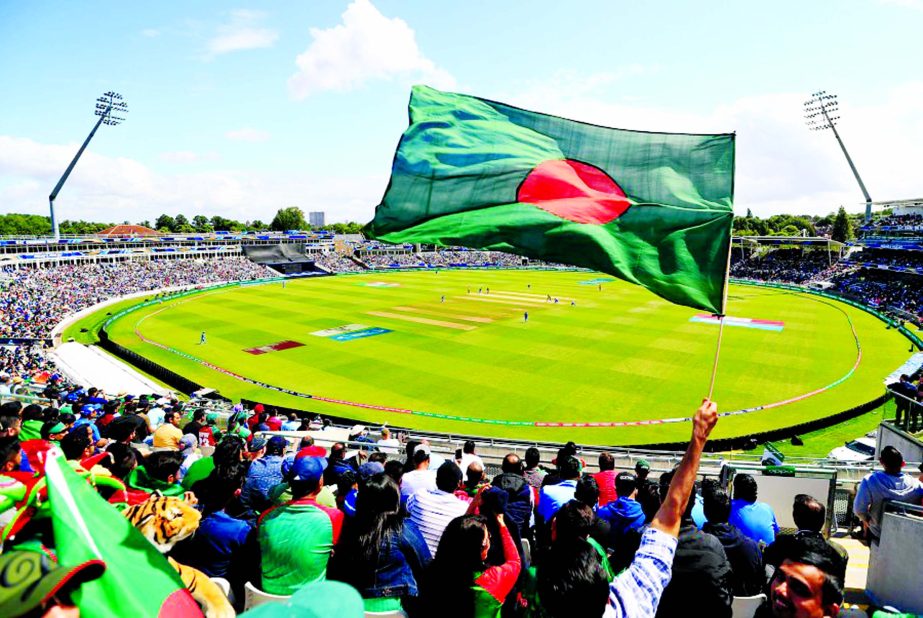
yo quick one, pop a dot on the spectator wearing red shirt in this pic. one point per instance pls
(605, 478)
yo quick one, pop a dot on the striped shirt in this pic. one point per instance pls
(431, 510)
(636, 591)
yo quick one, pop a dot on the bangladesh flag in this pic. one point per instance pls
(138, 580)
(654, 209)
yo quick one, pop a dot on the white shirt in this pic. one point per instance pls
(431, 511)
(391, 446)
(417, 480)
(466, 460)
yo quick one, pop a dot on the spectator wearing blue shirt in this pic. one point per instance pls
(264, 474)
(87, 414)
(222, 546)
(292, 424)
(754, 519)
(624, 514)
(553, 497)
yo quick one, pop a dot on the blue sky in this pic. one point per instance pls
(239, 110)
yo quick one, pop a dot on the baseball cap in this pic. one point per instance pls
(38, 579)
(309, 469)
(642, 464)
(317, 600)
(58, 427)
(276, 444)
(369, 469)
(211, 418)
(258, 407)
(256, 444)
(188, 443)
(357, 429)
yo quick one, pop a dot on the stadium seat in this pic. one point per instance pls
(745, 607)
(253, 596)
(395, 614)
(527, 551)
(225, 586)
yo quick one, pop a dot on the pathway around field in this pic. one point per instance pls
(471, 419)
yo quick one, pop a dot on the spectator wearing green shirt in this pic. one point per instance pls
(296, 538)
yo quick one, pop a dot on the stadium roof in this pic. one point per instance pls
(129, 230)
(789, 240)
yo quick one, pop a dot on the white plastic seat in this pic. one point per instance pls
(745, 607)
(253, 596)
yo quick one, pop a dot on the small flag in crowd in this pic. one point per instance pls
(138, 580)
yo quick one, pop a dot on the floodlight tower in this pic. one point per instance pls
(107, 106)
(819, 113)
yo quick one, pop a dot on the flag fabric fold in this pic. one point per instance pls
(138, 580)
(654, 209)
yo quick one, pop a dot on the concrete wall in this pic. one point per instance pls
(910, 447)
(896, 564)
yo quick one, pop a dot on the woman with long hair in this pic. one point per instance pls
(459, 583)
(380, 553)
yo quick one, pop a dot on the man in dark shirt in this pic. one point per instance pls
(810, 517)
(743, 553)
(701, 574)
(196, 425)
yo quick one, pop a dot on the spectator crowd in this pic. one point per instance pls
(407, 529)
(34, 300)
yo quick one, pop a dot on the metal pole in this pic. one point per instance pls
(868, 199)
(67, 172)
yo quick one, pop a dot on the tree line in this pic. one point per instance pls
(840, 226)
(290, 218)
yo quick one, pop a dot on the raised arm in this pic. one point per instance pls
(670, 513)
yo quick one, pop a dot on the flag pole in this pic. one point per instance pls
(724, 303)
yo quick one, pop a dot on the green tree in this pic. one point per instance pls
(842, 226)
(257, 225)
(223, 224)
(201, 224)
(165, 223)
(291, 218)
(24, 225)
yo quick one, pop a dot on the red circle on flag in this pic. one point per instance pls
(575, 191)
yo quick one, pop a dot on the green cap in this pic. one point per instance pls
(31, 578)
(59, 427)
(211, 418)
(317, 600)
(642, 464)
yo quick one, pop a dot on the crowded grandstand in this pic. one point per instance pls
(297, 511)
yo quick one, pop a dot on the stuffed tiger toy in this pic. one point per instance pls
(165, 521)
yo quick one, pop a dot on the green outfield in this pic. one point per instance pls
(606, 352)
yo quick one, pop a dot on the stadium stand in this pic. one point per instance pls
(349, 504)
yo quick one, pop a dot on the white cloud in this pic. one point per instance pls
(108, 189)
(247, 134)
(365, 46)
(150, 33)
(240, 33)
(781, 166)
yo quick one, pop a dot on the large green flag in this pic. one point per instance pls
(138, 581)
(651, 208)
